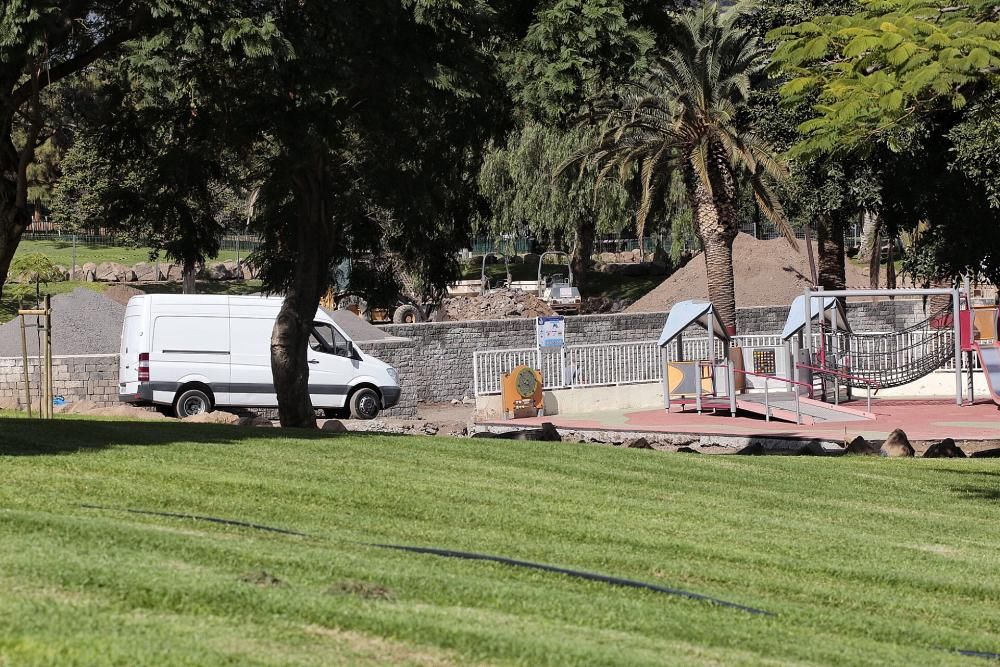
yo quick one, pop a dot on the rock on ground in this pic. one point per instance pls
(897, 445)
(216, 417)
(862, 447)
(946, 449)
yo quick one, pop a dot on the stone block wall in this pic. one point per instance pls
(94, 378)
(405, 358)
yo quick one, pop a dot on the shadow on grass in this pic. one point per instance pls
(28, 437)
(971, 492)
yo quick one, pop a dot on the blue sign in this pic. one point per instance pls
(551, 331)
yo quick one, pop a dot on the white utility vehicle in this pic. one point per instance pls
(556, 289)
(194, 353)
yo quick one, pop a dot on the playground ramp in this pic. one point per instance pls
(782, 407)
(989, 358)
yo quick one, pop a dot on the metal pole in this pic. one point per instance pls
(956, 315)
(24, 360)
(732, 387)
(807, 324)
(697, 393)
(666, 385)
(72, 276)
(767, 402)
(798, 410)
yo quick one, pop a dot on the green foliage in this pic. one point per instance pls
(523, 186)
(576, 49)
(976, 142)
(684, 117)
(870, 75)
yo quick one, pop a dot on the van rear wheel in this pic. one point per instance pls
(365, 403)
(192, 402)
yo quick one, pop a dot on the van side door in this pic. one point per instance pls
(251, 382)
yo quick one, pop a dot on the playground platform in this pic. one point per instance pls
(924, 421)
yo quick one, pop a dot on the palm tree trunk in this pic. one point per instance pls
(869, 234)
(582, 251)
(715, 224)
(830, 242)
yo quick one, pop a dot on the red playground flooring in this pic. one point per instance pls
(922, 420)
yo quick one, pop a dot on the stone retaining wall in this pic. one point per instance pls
(94, 378)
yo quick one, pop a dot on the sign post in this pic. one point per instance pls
(550, 332)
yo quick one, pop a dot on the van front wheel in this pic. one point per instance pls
(365, 403)
(192, 402)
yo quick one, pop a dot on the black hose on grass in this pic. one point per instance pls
(591, 576)
(978, 654)
(466, 555)
(212, 519)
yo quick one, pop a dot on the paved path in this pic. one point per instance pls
(922, 420)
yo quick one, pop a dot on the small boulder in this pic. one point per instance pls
(687, 450)
(812, 449)
(254, 420)
(234, 270)
(334, 426)
(638, 443)
(217, 417)
(547, 433)
(986, 454)
(897, 445)
(110, 272)
(861, 447)
(946, 449)
(753, 449)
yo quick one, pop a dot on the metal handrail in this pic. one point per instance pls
(826, 371)
(767, 393)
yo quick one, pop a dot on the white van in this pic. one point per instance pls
(195, 353)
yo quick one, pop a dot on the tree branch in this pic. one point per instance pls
(23, 93)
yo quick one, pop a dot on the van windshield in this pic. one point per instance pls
(326, 339)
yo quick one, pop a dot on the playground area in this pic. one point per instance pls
(819, 379)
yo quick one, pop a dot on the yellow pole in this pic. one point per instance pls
(24, 360)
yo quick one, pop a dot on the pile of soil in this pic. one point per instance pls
(767, 273)
(83, 322)
(122, 293)
(495, 305)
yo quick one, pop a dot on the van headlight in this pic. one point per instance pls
(393, 373)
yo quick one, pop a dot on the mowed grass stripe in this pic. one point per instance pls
(866, 561)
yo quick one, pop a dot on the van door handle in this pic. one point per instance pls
(314, 361)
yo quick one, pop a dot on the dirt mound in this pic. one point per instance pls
(496, 305)
(122, 293)
(86, 407)
(767, 273)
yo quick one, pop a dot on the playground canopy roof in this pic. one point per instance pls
(796, 314)
(686, 313)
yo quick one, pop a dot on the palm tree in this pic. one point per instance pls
(684, 117)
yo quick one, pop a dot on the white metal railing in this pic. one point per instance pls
(632, 362)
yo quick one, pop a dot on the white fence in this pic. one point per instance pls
(635, 362)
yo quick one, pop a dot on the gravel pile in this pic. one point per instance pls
(496, 305)
(767, 273)
(83, 322)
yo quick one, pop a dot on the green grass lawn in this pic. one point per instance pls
(864, 560)
(61, 252)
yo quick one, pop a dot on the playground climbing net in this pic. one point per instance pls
(882, 360)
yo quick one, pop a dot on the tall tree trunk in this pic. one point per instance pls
(189, 275)
(890, 265)
(313, 234)
(14, 215)
(810, 256)
(869, 235)
(583, 249)
(715, 224)
(830, 242)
